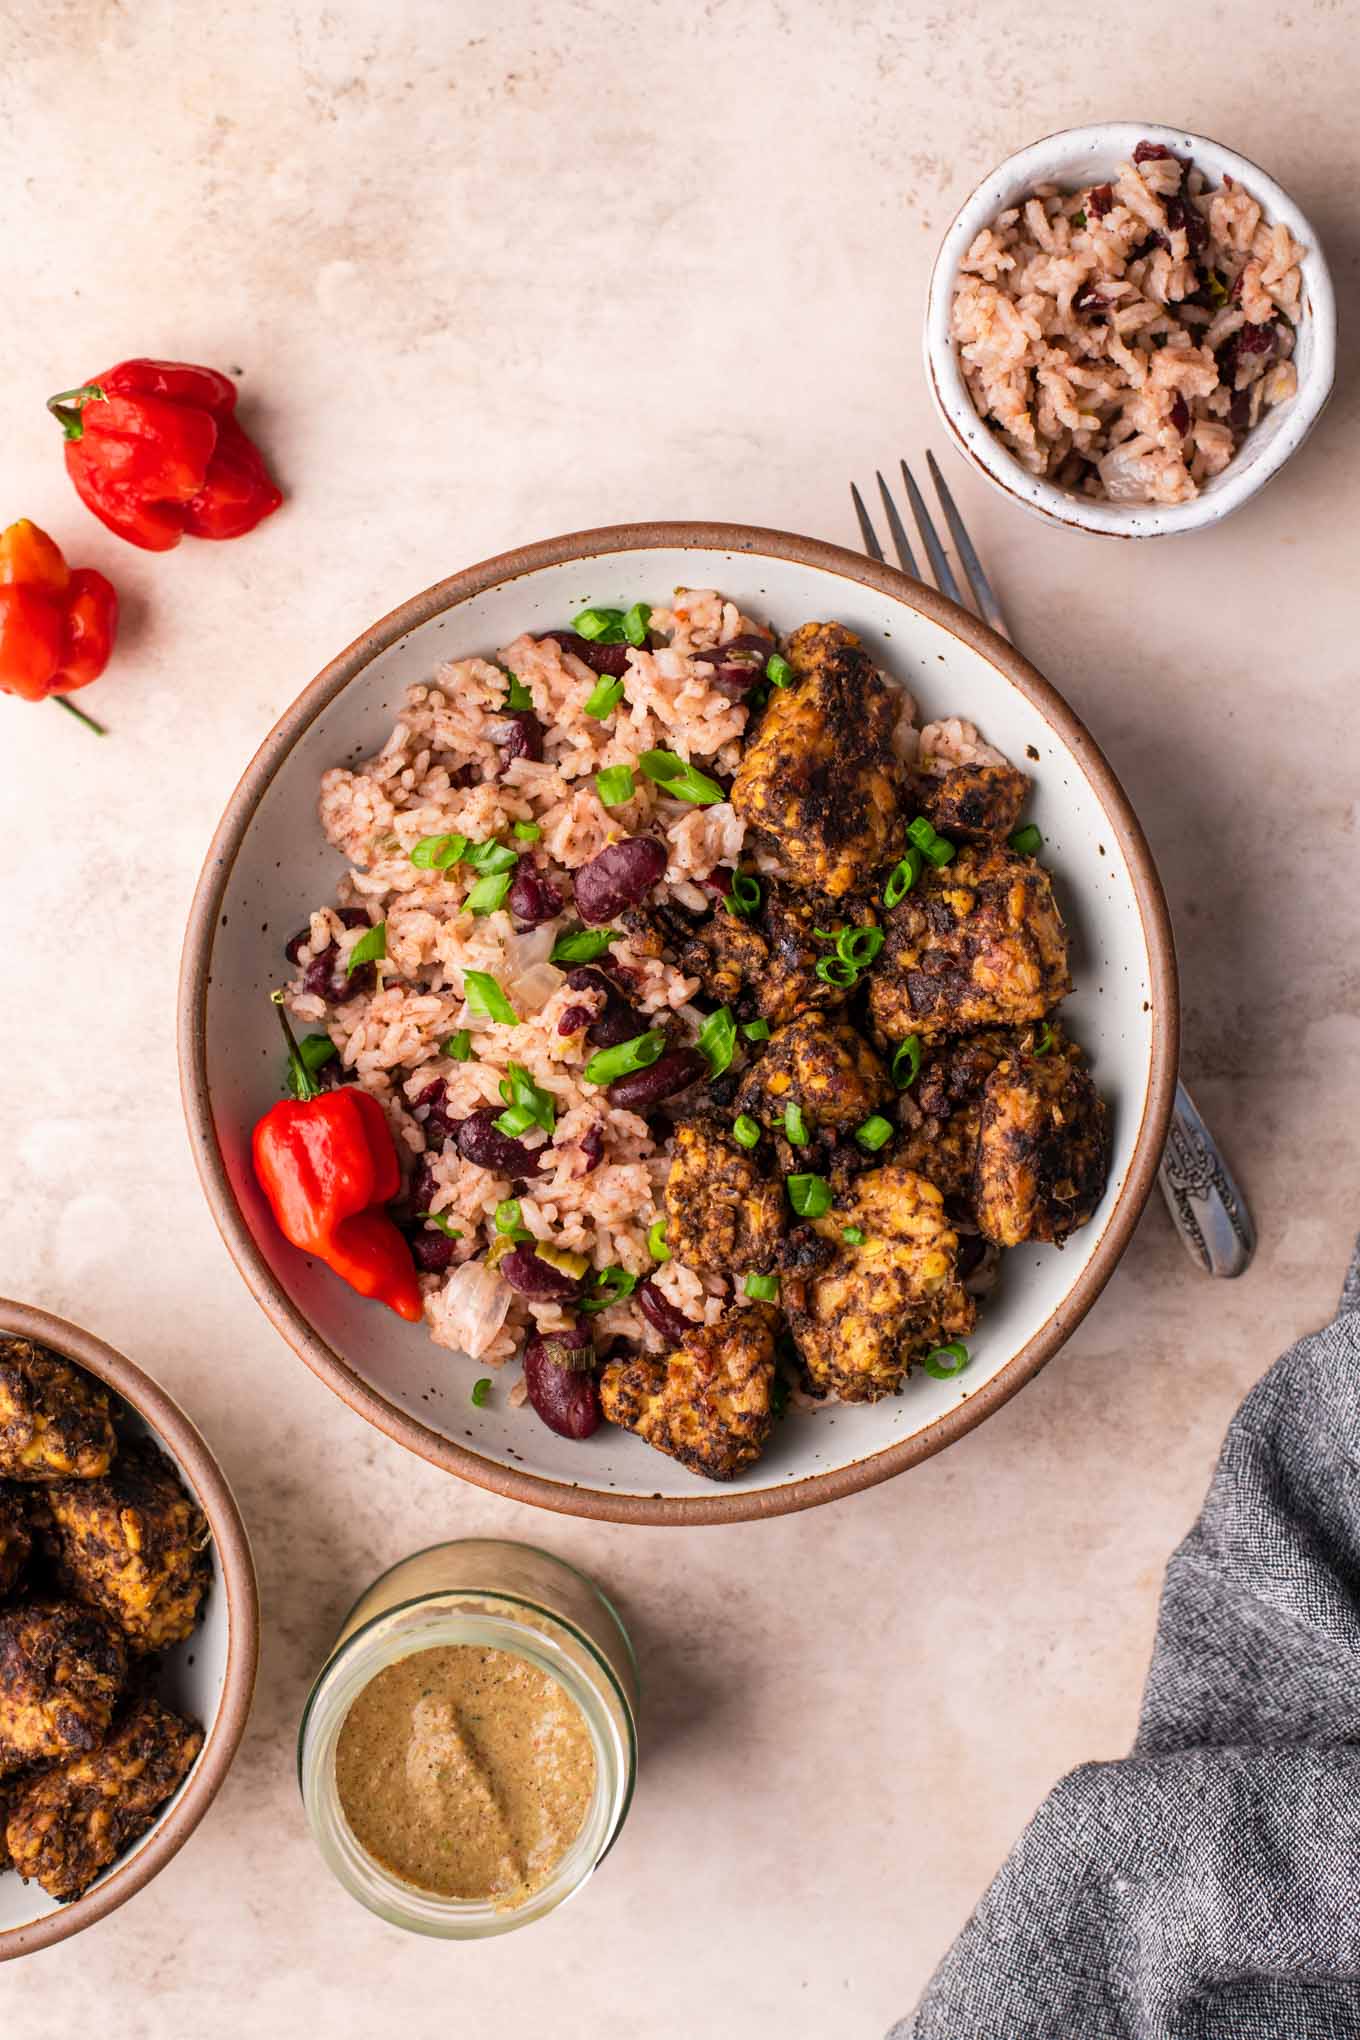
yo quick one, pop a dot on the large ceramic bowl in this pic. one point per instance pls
(1088, 155)
(269, 863)
(210, 1678)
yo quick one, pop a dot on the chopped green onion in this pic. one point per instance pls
(604, 697)
(635, 622)
(600, 626)
(681, 781)
(795, 1126)
(437, 1218)
(370, 948)
(941, 851)
(313, 1052)
(745, 1132)
(834, 970)
(764, 1288)
(955, 1354)
(1079, 218)
(902, 878)
(826, 934)
(614, 785)
(778, 671)
(1027, 842)
(756, 1030)
(744, 898)
(906, 1063)
(521, 1092)
(488, 893)
(491, 856)
(509, 1218)
(517, 695)
(921, 832)
(1046, 1040)
(481, 1390)
(484, 995)
(437, 853)
(515, 1120)
(875, 1132)
(528, 832)
(810, 1196)
(582, 945)
(853, 1236)
(612, 1284)
(718, 1040)
(859, 946)
(638, 1054)
(656, 1242)
(459, 1046)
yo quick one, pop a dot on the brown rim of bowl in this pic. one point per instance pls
(168, 1420)
(740, 1505)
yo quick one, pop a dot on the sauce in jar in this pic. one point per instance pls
(467, 1772)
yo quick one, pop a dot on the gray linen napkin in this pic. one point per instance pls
(1208, 1886)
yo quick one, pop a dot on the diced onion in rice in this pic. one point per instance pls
(473, 1305)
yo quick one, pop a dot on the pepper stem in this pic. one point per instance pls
(79, 714)
(305, 1086)
(67, 405)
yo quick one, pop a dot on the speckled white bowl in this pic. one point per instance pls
(1088, 155)
(269, 864)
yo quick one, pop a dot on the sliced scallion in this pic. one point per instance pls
(458, 1047)
(604, 697)
(946, 1361)
(853, 1236)
(488, 893)
(745, 1132)
(906, 1062)
(438, 853)
(485, 996)
(509, 1218)
(599, 626)
(656, 1241)
(480, 1391)
(718, 1040)
(370, 948)
(438, 1219)
(859, 946)
(490, 856)
(763, 1288)
(582, 945)
(614, 785)
(1047, 1039)
(612, 1284)
(875, 1133)
(778, 671)
(795, 1126)
(1027, 842)
(756, 1030)
(681, 781)
(519, 1090)
(638, 1054)
(517, 695)
(834, 970)
(743, 899)
(809, 1195)
(634, 623)
(902, 878)
(528, 832)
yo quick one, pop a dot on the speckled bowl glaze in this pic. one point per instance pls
(1087, 155)
(210, 1678)
(269, 864)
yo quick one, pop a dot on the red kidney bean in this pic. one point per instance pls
(616, 1020)
(619, 877)
(739, 663)
(420, 1190)
(567, 1402)
(1180, 414)
(1180, 213)
(609, 659)
(523, 736)
(1090, 303)
(1100, 200)
(592, 1147)
(529, 1275)
(673, 1072)
(573, 1018)
(429, 1110)
(1239, 410)
(431, 1251)
(720, 879)
(1153, 152)
(481, 1141)
(660, 1312)
(325, 975)
(533, 898)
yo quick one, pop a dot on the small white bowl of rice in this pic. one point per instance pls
(1130, 329)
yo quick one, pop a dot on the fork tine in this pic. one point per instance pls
(866, 529)
(899, 532)
(988, 606)
(935, 553)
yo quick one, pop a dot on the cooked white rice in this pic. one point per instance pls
(391, 1039)
(1122, 339)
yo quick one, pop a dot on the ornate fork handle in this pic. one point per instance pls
(1208, 1209)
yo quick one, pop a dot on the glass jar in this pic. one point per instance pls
(495, 1596)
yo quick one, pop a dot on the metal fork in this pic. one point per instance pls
(1206, 1206)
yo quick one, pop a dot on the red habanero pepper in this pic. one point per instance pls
(56, 627)
(328, 1165)
(155, 451)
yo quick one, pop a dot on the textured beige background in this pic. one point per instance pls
(492, 272)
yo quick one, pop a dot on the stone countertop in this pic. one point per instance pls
(494, 272)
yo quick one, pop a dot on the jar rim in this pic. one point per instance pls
(449, 1621)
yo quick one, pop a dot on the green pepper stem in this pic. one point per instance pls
(67, 405)
(304, 1085)
(79, 714)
